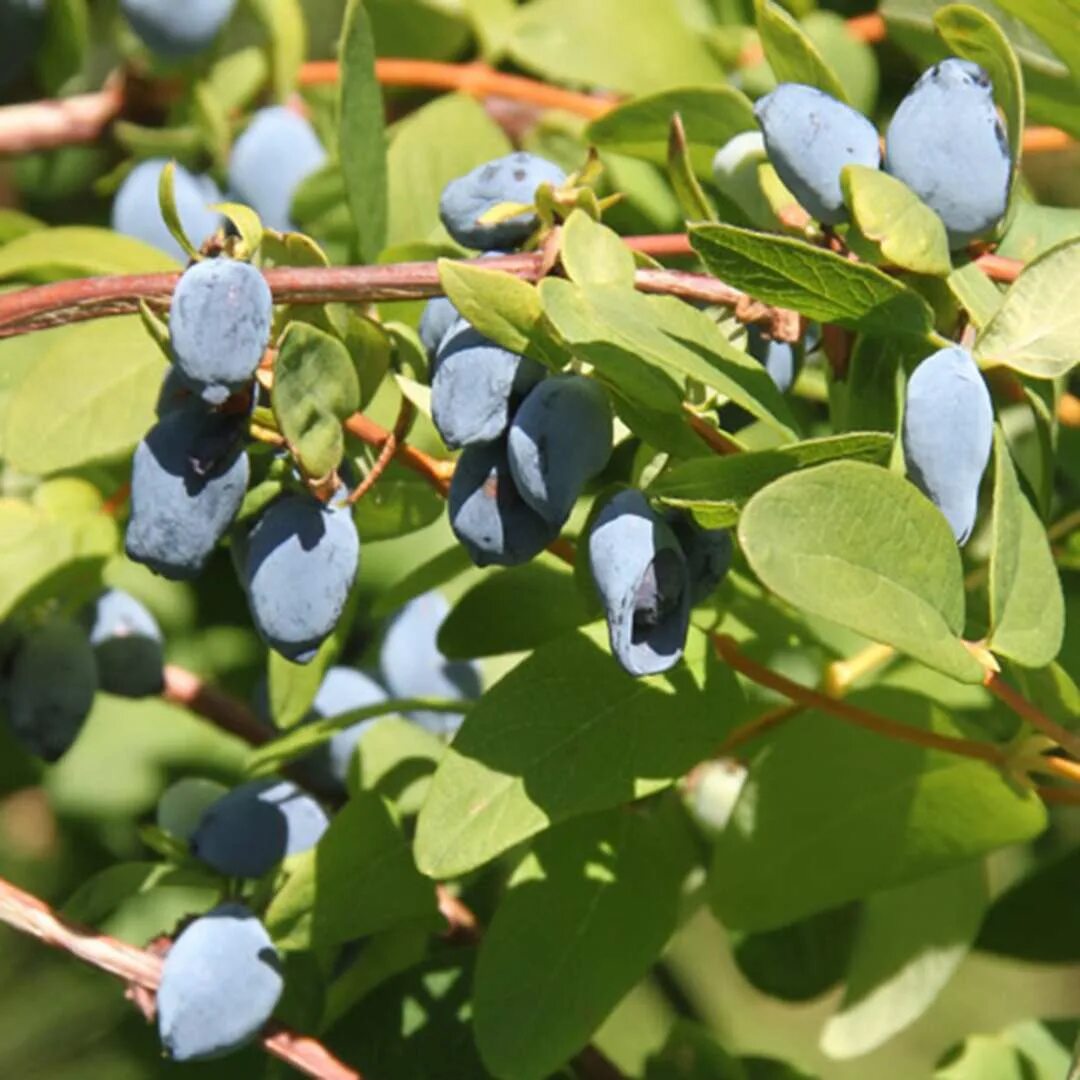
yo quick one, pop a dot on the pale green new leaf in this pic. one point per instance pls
(791, 54)
(89, 396)
(887, 212)
(1036, 331)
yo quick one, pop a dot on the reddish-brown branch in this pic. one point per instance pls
(185, 688)
(729, 651)
(78, 299)
(754, 729)
(1025, 709)
(386, 452)
(141, 967)
(436, 471)
(48, 124)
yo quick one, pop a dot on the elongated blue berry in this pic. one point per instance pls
(510, 179)
(948, 434)
(413, 665)
(810, 137)
(252, 828)
(51, 687)
(948, 145)
(477, 386)
(641, 576)
(220, 983)
(188, 480)
(488, 514)
(127, 645)
(275, 154)
(176, 29)
(136, 210)
(219, 326)
(301, 561)
(560, 438)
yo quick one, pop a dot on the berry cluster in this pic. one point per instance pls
(191, 471)
(947, 144)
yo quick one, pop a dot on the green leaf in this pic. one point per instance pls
(853, 60)
(67, 32)
(910, 941)
(695, 204)
(1032, 919)
(1036, 328)
(315, 389)
(693, 1052)
(568, 41)
(718, 487)
(593, 254)
(396, 759)
(292, 688)
(90, 396)
(169, 212)
(78, 251)
(888, 213)
(587, 912)
(820, 284)
(247, 225)
(791, 54)
(502, 307)
(304, 738)
(973, 34)
(1027, 609)
(401, 502)
(640, 127)
(432, 146)
(566, 733)
(285, 25)
(1034, 229)
(864, 548)
(14, 223)
(644, 343)
(513, 610)
(361, 134)
(213, 122)
(975, 292)
(1050, 20)
(359, 879)
(883, 813)
(52, 542)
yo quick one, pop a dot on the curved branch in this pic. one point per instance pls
(29, 915)
(41, 307)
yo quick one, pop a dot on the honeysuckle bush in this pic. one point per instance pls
(835, 837)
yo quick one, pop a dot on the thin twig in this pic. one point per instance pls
(729, 651)
(185, 688)
(436, 471)
(1030, 712)
(141, 967)
(755, 728)
(386, 453)
(78, 299)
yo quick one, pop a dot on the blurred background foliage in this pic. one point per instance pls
(60, 826)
